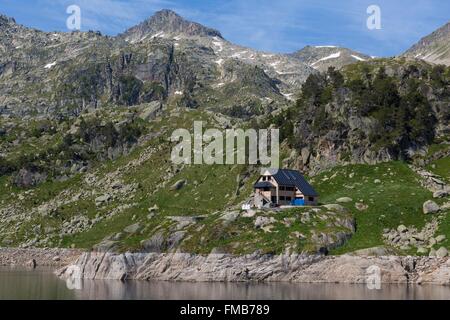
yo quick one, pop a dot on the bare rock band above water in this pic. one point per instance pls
(257, 267)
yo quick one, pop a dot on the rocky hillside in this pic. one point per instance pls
(434, 48)
(323, 57)
(369, 112)
(85, 144)
(164, 56)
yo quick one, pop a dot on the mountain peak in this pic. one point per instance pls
(6, 20)
(166, 13)
(434, 48)
(323, 56)
(168, 22)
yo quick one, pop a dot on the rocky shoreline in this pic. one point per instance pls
(53, 257)
(299, 268)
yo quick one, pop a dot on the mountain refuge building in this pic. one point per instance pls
(277, 187)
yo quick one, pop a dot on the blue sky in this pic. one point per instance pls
(276, 25)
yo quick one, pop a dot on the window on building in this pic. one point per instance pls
(282, 198)
(282, 188)
(311, 198)
(288, 198)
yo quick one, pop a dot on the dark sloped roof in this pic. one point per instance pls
(264, 184)
(293, 178)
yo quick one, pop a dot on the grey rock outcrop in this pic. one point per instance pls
(257, 267)
(441, 194)
(430, 207)
(441, 252)
(434, 48)
(178, 185)
(344, 200)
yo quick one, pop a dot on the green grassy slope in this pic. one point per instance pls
(144, 178)
(395, 199)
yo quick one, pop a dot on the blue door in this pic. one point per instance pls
(298, 202)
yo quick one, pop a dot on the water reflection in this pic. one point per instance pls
(241, 291)
(42, 284)
(73, 281)
(25, 284)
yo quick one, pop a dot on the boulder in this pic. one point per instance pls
(102, 199)
(27, 178)
(440, 238)
(402, 228)
(430, 207)
(261, 222)
(441, 194)
(344, 200)
(441, 252)
(178, 185)
(134, 228)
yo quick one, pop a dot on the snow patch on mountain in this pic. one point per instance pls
(219, 45)
(331, 56)
(50, 65)
(158, 35)
(358, 58)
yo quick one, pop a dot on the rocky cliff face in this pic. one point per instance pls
(434, 48)
(228, 268)
(369, 113)
(65, 73)
(164, 56)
